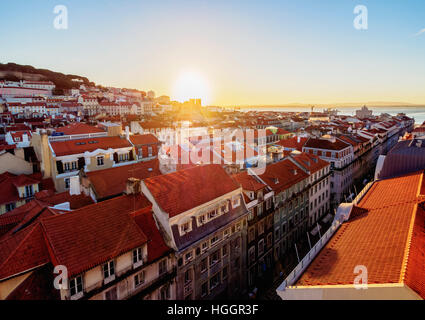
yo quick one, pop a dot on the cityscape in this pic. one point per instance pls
(146, 192)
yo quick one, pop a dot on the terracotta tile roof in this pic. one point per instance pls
(326, 144)
(180, 191)
(415, 271)
(22, 251)
(156, 245)
(75, 201)
(78, 128)
(141, 139)
(282, 175)
(38, 286)
(112, 182)
(94, 234)
(292, 143)
(310, 162)
(376, 236)
(248, 182)
(62, 148)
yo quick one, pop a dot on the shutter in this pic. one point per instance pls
(116, 157)
(130, 156)
(81, 163)
(59, 166)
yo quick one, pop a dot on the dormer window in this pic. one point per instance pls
(185, 227)
(236, 202)
(137, 257)
(109, 271)
(202, 219)
(212, 214)
(76, 287)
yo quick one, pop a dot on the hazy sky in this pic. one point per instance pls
(246, 52)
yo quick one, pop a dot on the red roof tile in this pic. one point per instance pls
(180, 191)
(140, 139)
(326, 144)
(62, 148)
(94, 234)
(156, 245)
(112, 182)
(78, 128)
(292, 143)
(376, 236)
(248, 182)
(282, 175)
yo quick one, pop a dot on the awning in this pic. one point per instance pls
(327, 218)
(315, 230)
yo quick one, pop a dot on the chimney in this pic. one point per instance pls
(74, 185)
(132, 186)
(127, 133)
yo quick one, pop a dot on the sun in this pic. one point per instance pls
(191, 85)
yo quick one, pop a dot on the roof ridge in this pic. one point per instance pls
(410, 233)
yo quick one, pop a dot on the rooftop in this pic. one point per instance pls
(383, 233)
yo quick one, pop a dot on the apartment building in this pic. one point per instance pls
(62, 159)
(329, 148)
(203, 215)
(319, 184)
(258, 198)
(290, 186)
(111, 250)
(90, 104)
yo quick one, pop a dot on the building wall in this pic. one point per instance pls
(13, 164)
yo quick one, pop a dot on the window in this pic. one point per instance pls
(100, 161)
(185, 227)
(188, 256)
(214, 258)
(139, 279)
(215, 281)
(251, 234)
(269, 240)
(123, 157)
(137, 256)
(204, 265)
(214, 240)
(67, 182)
(108, 270)
(29, 191)
(111, 294)
(235, 202)
(201, 219)
(251, 254)
(10, 206)
(224, 208)
(251, 214)
(260, 210)
(187, 277)
(224, 251)
(226, 233)
(204, 246)
(224, 273)
(150, 151)
(212, 214)
(261, 228)
(165, 292)
(162, 266)
(76, 285)
(204, 289)
(260, 247)
(268, 203)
